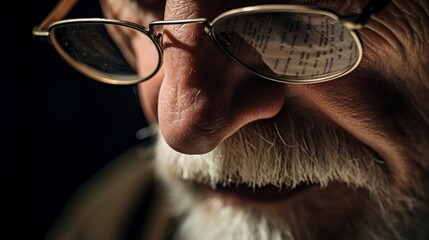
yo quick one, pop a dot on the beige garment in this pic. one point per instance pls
(105, 206)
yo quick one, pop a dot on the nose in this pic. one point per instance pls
(205, 96)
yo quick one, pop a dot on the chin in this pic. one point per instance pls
(304, 185)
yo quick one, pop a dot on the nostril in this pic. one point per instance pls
(191, 143)
(197, 131)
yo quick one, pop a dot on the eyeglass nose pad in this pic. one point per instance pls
(208, 31)
(156, 30)
(158, 37)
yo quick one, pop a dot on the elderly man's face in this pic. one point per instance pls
(248, 158)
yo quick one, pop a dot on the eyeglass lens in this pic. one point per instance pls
(282, 46)
(277, 45)
(105, 50)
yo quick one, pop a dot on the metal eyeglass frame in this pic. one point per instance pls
(352, 23)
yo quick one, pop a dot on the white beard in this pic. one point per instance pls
(213, 220)
(315, 155)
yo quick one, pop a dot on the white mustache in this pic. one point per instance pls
(264, 153)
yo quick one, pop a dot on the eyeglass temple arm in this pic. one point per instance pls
(62, 8)
(368, 10)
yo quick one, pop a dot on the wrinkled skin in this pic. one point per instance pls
(201, 97)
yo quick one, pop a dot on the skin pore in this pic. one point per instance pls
(359, 145)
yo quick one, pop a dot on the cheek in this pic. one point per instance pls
(367, 107)
(148, 95)
(146, 59)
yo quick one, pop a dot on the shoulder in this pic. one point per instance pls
(105, 204)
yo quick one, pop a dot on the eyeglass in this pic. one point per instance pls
(284, 43)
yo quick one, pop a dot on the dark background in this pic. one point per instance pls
(57, 128)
